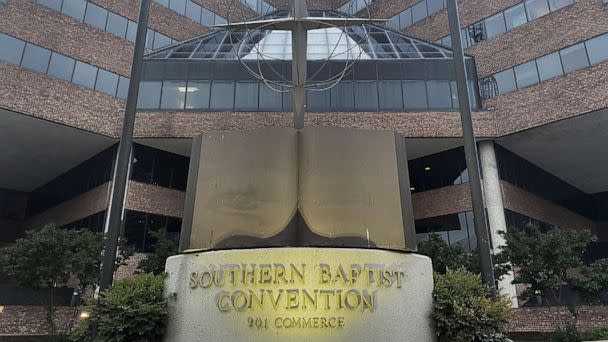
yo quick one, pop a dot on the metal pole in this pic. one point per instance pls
(299, 44)
(470, 150)
(123, 159)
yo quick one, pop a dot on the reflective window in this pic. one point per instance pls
(123, 87)
(536, 8)
(438, 170)
(74, 8)
(96, 16)
(549, 66)
(84, 74)
(557, 4)
(515, 16)
(269, 99)
(222, 95)
(435, 6)
(439, 94)
(178, 6)
(193, 11)
(61, 66)
(161, 40)
(495, 25)
(419, 11)
(405, 18)
(317, 100)
(505, 81)
(173, 95)
(36, 58)
(391, 95)
(246, 96)
(366, 96)
(526, 74)
(117, 25)
(414, 95)
(53, 4)
(131, 31)
(207, 17)
(198, 95)
(149, 95)
(574, 58)
(11, 49)
(107, 82)
(598, 49)
(342, 96)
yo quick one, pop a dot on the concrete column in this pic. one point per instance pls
(495, 210)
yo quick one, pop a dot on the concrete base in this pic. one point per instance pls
(300, 294)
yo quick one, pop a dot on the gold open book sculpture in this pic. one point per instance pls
(278, 187)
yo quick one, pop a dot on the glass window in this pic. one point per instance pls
(391, 95)
(149, 95)
(246, 96)
(598, 49)
(160, 40)
(36, 58)
(342, 96)
(207, 17)
(454, 90)
(439, 94)
(222, 95)
(419, 11)
(107, 82)
(74, 8)
(557, 4)
(366, 96)
(173, 95)
(405, 18)
(117, 25)
(162, 2)
(269, 99)
(61, 66)
(515, 16)
(198, 95)
(54, 4)
(434, 6)
(549, 66)
(505, 81)
(536, 8)
(132, 31)
(123, 87)
(495, 25)
(526, 74)
(11, 49)
(574, 58)
(84, 74)
(193, 11)
(414, 95)
(317, 100)
(96, 16)
(178, 6)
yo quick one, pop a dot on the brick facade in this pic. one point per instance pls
(542, 320)
(17, 320)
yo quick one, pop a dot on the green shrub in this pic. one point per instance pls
(133, 309)
(163, 248)
(567, 334)
(464, 311)
(595, 334)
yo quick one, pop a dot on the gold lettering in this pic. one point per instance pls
(274, 302)
(205, 284)
(265, 274)
(355, 299)
(193, 283)
(399, 275)
(325, 275)
(296, 272)
(368, 300)
(387, 278)
(254, 298)
(355, 272)
(279, 274)
(326, 294)
(221, 304)
(340, 322)
(332, 322)
(236, 295)
(307, 323)
(217, 280)
(307, 297)
(292, 300)
(277, 322)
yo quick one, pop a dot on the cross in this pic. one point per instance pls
(299, 23)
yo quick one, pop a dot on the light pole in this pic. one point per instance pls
(470, 150)
(123, 157)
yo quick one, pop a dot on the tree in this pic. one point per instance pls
(46, 258)
(464, 310)
(155, 262)
(444, 256)
(542, 260)
(132, 309)
(593, 280)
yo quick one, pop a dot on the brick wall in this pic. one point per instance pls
(156, 200)
(544, 319)
(442, 201)
(16, 320)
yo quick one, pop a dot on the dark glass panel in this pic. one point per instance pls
(123, 87)
(173, 95)
(366, 95)
(439, 94)
(515, 16)
(495, 25)
(149, 95)
(61, 66)
(270, 99)
(342, 96)
(222, 95)
(107, 82)
(54, 4)
(505, 81)
(549, 66)
(419, 11)
(554, 5)
(526, 74)
(536, 8)
(391, 95)
(74, 8)
(117, 25)
(96, 16)
(598, 49)
(246, 96)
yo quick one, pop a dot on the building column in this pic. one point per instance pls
(495, 210)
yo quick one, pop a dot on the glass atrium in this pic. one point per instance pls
(390, 71)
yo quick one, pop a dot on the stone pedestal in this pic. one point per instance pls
(300, 294)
